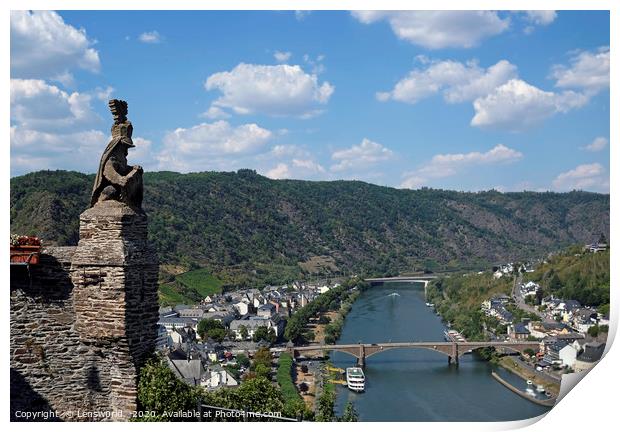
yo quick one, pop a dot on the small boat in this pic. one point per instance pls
(430, 305)
(548, 394)
(355, 379)
(529, 383)
(540, 389)
(530, 392)
(394, 295)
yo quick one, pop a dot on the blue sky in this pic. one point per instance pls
(454, 100)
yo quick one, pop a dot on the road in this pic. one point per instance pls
(520, 301)
(541, 374)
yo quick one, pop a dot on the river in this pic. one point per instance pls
(418, 384)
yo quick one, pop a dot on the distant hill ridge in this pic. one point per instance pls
(237, 219)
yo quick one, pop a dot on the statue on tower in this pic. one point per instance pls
(116, 180)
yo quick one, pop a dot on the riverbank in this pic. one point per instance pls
(417, 384)
(510, 365)
(319, 329)
(543, 402)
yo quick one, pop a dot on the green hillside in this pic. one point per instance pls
(244, 228)
(577, 275)
(458, 298)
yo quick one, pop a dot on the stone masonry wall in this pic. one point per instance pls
(85, 320)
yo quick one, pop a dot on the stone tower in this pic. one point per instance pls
(114, 273)
(84, 320)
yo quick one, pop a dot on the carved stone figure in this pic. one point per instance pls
(115, 179)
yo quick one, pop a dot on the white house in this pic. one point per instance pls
(250, 325)
(242, 308)
(568, 355)
(218, 377)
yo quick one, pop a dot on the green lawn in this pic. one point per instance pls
(200, 281)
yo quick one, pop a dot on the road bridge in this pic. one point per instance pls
(451, 349)
(425, 279)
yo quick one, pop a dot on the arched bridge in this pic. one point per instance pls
(452, 349)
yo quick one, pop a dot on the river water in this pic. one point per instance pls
(418, 384)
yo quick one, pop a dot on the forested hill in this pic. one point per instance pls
(224, 220)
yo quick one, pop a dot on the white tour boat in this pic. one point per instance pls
(355, 379)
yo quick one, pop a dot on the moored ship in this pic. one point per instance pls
(355, 379)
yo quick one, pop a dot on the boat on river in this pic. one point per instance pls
(356, 380)
(540, 389)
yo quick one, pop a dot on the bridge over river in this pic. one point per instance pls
(451, 349)
(425, 279)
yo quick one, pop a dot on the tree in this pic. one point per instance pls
(262, 356)
(555, 283)
(529, 351)
(243, 331)
(262, 333)
(159, 390)
(243, 360)
(304, 368)
(262, 371)
(303, 387)
(217, 334)
(208, 324)
(350, 414)
(325, 408)
(255, 395)
(593, 331)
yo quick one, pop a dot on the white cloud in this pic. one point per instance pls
(142, 154)
(211, 145)
(316, 64)
(215, 113)
(296, 168)
(585, 177)
(43, 46)
(459, 82)
(288, 150)
(104, 94)
(152, 37)
(439, 29)
(541, 17)
(280, 171)
(598, 144)
(587, 70)
(280, 90)
(362, 155)
(36, 105)
(517, 105)
(308, 165)
(446, 165)
(33, 150)
(282, 57)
